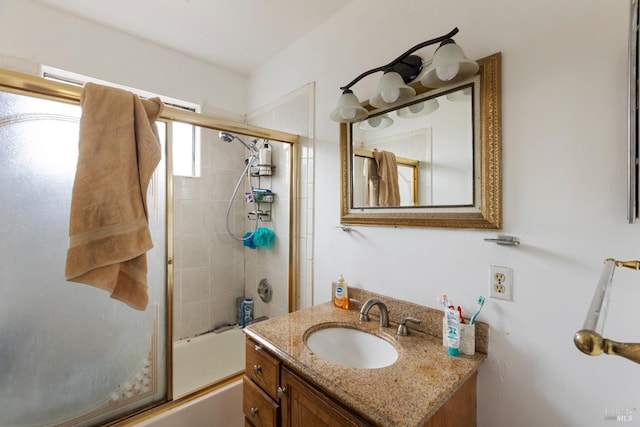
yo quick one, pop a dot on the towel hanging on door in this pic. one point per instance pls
(108, 226)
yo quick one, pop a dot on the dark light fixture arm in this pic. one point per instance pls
(401, 57)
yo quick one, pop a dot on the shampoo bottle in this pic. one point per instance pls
(341, 295)
(264, 159)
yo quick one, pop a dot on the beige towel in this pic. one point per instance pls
(108, 228)
(370, 171)
(388, 188)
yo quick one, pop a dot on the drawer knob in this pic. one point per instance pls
(257, 369)
(254, 412)
(281, 392)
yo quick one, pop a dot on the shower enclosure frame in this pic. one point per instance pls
(29, 85)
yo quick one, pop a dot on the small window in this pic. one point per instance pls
(186, 150)
(185, 137)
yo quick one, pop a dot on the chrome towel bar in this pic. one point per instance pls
(589, 339)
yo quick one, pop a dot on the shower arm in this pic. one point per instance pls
(229, 137)
(251, 147)
(589, 339)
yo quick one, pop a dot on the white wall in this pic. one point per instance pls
(45, 36)
(564, 118)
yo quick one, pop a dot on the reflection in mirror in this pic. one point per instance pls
(428, 147)
(432, 161)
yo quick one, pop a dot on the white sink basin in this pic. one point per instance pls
(352, 348)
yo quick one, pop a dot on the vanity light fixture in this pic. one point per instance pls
(418, 110)
(459, 95)
(377, 122)
(448, 65)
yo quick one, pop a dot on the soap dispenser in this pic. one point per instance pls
(341, 295)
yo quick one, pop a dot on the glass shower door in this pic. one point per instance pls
(69, 354)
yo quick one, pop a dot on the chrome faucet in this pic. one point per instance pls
(402, 327)
(384, 313)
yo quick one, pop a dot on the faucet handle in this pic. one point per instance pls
(402, 327)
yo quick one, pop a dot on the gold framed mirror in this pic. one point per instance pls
(426, 198)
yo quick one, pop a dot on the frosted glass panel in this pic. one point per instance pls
(69, 354)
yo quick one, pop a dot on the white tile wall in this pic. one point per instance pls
(211, 270)
(294, 113)
(209, 265)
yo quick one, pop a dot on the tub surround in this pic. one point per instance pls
(408, 392)
(206, 359)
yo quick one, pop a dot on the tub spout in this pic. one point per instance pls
(384, 313)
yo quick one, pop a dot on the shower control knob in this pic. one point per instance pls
(257, 369)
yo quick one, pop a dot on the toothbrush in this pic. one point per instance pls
(480, 304)
(444, 302)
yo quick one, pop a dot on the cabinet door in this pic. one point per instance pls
(460, 409)
(303, 405)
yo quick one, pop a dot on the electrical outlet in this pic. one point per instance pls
(500, 282)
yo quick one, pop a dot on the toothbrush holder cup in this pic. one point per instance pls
(467, 337)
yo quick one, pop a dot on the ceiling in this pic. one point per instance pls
(239, 35)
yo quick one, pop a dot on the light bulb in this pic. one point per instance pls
(374, 122)
(390, 95)
(348, 113)
(416, 108)
(447, 72)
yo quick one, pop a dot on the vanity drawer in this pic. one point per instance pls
(262, 368)
(259, 409)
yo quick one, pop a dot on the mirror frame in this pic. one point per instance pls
(490, 215)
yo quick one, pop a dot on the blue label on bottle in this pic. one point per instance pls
(248, 311)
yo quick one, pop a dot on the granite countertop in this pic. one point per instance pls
(407, 392)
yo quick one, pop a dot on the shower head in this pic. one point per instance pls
(228, 137)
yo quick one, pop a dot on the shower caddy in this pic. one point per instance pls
(261, 194)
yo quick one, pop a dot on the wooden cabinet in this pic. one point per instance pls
(303, 405)
(258, 407)
(274, 395)
(262, 368)
(460, 409)
(260, 387)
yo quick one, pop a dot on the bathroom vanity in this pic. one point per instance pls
(286, 384)
(265, 389)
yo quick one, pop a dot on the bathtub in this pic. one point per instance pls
(199, 362)
(206, 359)
(219, 408)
